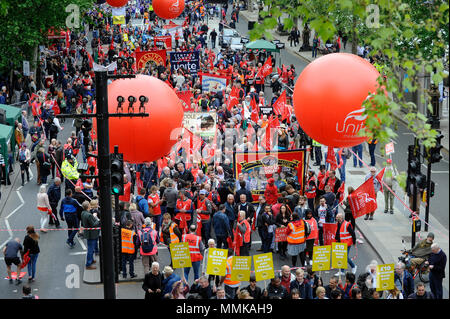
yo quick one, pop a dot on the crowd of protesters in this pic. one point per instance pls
(181, 198)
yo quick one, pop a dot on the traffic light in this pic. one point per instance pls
(414, 173)
(435, 152)
(432, 189)
(117, 173)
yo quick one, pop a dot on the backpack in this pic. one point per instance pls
(138, 202)
(307, 229)
(146, 242)
(126, 216)
(22, 157)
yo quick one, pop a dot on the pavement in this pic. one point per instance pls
(385, 232)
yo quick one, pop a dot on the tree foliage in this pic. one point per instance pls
(409, 42)
(25, 24)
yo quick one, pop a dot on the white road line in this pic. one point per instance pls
(78, 253)
(22, 202)
(439, 172)
(81, 243)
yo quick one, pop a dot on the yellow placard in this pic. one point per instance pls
(321, 258)
(119, 20)
(217, 261)
(339, 255)
(263, 266)
(385, 277)
(125, 37)
(240, 268)
(181, 256)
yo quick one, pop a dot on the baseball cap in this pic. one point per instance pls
(203, 192)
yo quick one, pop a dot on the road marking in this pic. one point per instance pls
(81, 243)
(22, 202)
(439, 172)
(78, 253)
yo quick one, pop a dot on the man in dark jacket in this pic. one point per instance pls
(275, 290)
(243, 190)
(421, 292)
(437, 261)
(403, 280)
(149, 175)
(68, 212)
(54, 195)
(59, 151)
(185, 174)
(246, 206)
(252, 289)
(221, 225)
(202, 287)
(89, 220)
(301, 284)
(229, 209)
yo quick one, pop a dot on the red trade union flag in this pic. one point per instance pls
(341, 191)
(331, 158)
(280, 104)
(363, 200)
(185, 97)
(162, 162)
(255, 111)
(233, 98)
(379, 177)
(266, 69)
(273, 122)
(329, 232)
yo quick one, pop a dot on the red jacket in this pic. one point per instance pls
(271, 194)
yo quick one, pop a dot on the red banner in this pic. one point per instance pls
(259, 167)
(280, 104)
(363, 200)
(280, 234)
(159, 57)
(266, 69)
(185, 97)
(329, 232)
(163, 40)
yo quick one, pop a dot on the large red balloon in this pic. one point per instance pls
(328, 97)
(144, 139)
(117, 3)
(168, 9)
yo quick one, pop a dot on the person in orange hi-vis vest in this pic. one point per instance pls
(231, 286)
(183, 211)
(298, 231)
(128, 239)
(313, 236)
(196, 248)
(345, 234)
(242, 232)
(169, 232)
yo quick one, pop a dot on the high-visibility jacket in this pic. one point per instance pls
(157, 209)
(202, 206)
(228, 280)
(194, 246)
(127, 241)
(344, 234)
(173, 238)
(69, 171)
(311, 187)
(314, 228)
(315, 143)
(246, 237)
(296, 232)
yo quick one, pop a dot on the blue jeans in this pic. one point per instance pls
(342, 169)
(314, 52)
(72, 222)
(196, 267)
(349, 260)
(372, 147)
(91, 245)
(358, 150)
(32, 265)
(127, 258)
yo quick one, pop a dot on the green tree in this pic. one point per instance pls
(409, 42)
(25, 25)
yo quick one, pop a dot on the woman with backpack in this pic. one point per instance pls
(147, 241)
(44, 164)
(24, 160)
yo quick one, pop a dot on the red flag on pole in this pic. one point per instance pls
(363, 201)
(331, 158)
(280, 104)
(266, 69)
(233, 99)
(341, 191)
(255, 111)
(379, 177)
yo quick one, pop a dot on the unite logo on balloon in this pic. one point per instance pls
(175, 7)
(353, 122)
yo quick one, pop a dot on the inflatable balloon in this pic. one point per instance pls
(143, 139)
(168, 9)
(328, 97)
(117, 3)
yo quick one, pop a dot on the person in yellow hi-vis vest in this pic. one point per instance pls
(128, 237)
(69, 169)
(231, 286)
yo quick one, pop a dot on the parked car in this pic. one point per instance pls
(230, 38)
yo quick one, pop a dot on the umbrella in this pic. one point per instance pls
(262, 45)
